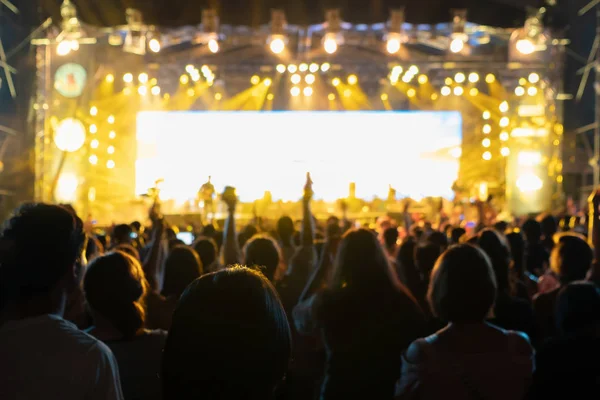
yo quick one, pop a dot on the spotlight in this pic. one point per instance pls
(458, 36)
(277, 44)
(335, 81)
(111, 119)
(331, 97)
(504, 136)
(155, 90)
(411, 92)
(213, 46)
(525, 46)
(270, 96)
(413, 70)
(143, 77)
(330, 45)
(486, 115)
(190, 68)
(473, 91)
(520, 91)
(393, 45)
(534, 78)
(191, 92)
(112, 135)
(446, 91)
(93, 159)
(458, 91)
(457, 45)
(434, 96)
(504, 106)
(255, 80)
(308, 91)
(532, 91)
(347, 93)
(280, 68)
(505, 151)
(487, 156)
(352, 80)
(93, 128)
(384, 97)
(184, 79)
(69, 135)
(154, 45)
(486, 142)
(473, 77)
(395, 35)
(325, 67)
(296, 79)
(487, 129)
(218, 96)
(295, 91)
(63, 48)
(292, 68)
(110, 164)
(490, 78)
(448, 81)
(94, 144)
(128, 78)
(94, 111)
(110, 150)
(459, 77)
(313, 67)
(504, 122)
(310, 79)
(423, 79)
(110, 78)
(267, 82)
(303, 67)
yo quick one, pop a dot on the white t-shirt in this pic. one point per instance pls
(48, 358)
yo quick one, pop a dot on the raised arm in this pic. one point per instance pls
(231, 250)
(151, 264)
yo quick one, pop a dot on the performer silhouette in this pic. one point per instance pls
(206, 195)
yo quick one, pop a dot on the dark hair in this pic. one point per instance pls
(229, 339)
(129, 250)
(578, 307)
(390, 237)
(456, 234)
(426, 254)
(438, 239)
(501, 226)
(262, 251)
(115, 287)
(532, 231)
(495, 246)
(206, 248)
(39, 245)
(517, 251)
(285, 230)
(136, 226)
(571, 257)
(182, 267)
(246, 234)
(122, 234)
(463, 285)
(549, 226)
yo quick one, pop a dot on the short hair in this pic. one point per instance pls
(456, 234)
(182, 267)
(263, 252)
(426, 254)
(571, 257)
(229, 338)
(390, 237)
(115, 286)
(578, 307)
(495, 246)
(438, 239)
(463, 285)
(532, 231)
(122, 233)
(285, 228)
(206, 248)
(129, 250)
(39, 245)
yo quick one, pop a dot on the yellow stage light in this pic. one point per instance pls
(94, 144)
(434, 96)
(325, 67)
(310, 79)
(520, 91)
(111, 119)
(534, 78)
(486, 142)
(267, 82)
(191, 92)
(94, 111)
(487, 156)
(292, 68)
(504, 136)
(93, 159)
(110, 150)
(473, 77)
(504, 122)
(457, 45)
(392, 46)
(532, 91)
(93, 128)
(331, 96)
(190, 68)
(69, 135)
(458, 91)
(213, 46)
(525, 46)
(504, 106)
(446, 91)
(255, 79)
(295, 91)
(63, 48)
(128, 78)
(112, 135)
(459, 77)
(486, 115)
(196, 76)
(522, 81)
(423, 79)
(277, 45)
(490, 78)
(218, 96)
(474, 91)
(505, 151)
(308, 91)
(110, 164)
(296, 79)
(456, 152)
(335, 81)
(143, 77)
(411, 92)
(352, 80)
(413, 69)
(487, 129)
(303, 67)
(155, 90)
(110, 78)
(407, 78)
(397, 70)
(154, 45)
(384, 97)
(184, 79)
(142, 90)
(330, 45)
(314, 67)
(280, 68)
(448, 81)
(347, 93)
(66, 188)
(270, 96)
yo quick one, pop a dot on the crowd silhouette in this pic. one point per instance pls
(400, 310)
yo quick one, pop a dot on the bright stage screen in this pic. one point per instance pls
(259, 151)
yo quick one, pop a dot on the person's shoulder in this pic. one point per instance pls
(417, 352)
(519, 342)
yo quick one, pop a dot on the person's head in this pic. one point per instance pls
(438, 239)
(501, 226)
(426, 254)
(549, 226)
(333, 230)
(115, 286)
(456, 234)
(248, 232)
(406, 252)
(182, 267)
(463, 285)
(40, 246)
(122, 234)
(136, 226)
(362, 265)
(517, 251)
(229, 339)
(390, 238)
(578, 308)
(495, 246)
(285, 230)
(571, 258)
(207, 250)
(263, 252)
(129, 250)
(532, 231)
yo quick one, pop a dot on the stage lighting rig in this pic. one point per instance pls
(333, 38)
(210, 30)
(395, 36)
(531, 38)
(72, 34)
(458, 37)
(277, 39)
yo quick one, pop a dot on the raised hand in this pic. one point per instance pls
(229, 197)
(308, 190)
